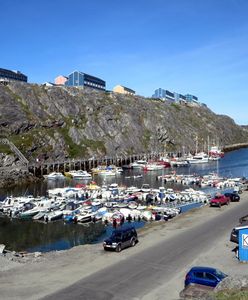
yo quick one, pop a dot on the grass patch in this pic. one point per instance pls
(176, 106)
(146, 138)
(5, 149)
(74, 150)
(231, 295)
(94, 145)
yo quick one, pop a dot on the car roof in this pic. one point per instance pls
(202, 269)
(241, 227)
(124, 229)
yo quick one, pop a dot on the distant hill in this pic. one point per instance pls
(58, 122)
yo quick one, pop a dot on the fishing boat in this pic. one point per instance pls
(198, 158)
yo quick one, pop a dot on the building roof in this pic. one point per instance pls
(84, 74)
(12, 71)
(127, 89)
(62, 76)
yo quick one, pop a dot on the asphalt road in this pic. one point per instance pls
(137, 275)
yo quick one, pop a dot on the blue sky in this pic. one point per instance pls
(187, 46)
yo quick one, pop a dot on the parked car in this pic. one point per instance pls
(234, 197)
(121, 238)
(219, 200)
(204, 276)
(234, 237)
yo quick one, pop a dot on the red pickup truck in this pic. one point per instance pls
(219, 200)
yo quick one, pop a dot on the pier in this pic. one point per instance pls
(43, 168)
(40, 167)
(232, 147)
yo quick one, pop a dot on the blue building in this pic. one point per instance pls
(77, 78)
(163, 95)
(191, 98)
(179, 97)
(12, 75)
(159, 93)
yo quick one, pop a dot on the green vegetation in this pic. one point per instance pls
(5, 149)
(22, 102)
(78, 121)
(176, 106)
(146, 138)
(74, 150)
(231, 295)
(25, 140)
(131, 151)
(95, 145)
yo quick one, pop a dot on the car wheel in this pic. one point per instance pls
(133, 242)
(118, 248)
(219, 205)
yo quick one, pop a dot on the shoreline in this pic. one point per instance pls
(16, 175)
(233, 147)
(59, 269)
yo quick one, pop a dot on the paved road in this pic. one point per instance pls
(138, 275)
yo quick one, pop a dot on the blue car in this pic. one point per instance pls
(205, 276)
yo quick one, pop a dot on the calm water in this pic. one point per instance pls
(31, 236)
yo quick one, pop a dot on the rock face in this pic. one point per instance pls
(61, 122)
(12, 172)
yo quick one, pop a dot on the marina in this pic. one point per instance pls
(82, 210)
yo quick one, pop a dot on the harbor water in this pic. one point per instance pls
(25, 235)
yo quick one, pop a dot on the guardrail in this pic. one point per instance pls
(15, 150)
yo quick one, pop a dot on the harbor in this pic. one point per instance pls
(140, 196)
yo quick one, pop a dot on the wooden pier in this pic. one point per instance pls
(44, 168)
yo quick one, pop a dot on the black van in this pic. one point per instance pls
(235, 233)
(121, 238)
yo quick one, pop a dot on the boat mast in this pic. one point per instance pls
(196, 144)
(208, 145)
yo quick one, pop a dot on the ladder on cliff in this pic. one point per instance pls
(21, 157)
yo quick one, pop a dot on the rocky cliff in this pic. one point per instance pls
(61, 122)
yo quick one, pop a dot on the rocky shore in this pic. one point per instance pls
(12, 172)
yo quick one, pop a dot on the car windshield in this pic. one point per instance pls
(116, 235)
(220, 274)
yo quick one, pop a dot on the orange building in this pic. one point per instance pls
(123, 90)
(60, 80)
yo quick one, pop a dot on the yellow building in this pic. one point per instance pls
(123, 90)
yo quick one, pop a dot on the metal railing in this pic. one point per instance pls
(21, 157)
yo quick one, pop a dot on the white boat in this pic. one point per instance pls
(215, 151)
(145, 188)
(107, 173)
(198, 158)
(147, 215)
(55, 175)
(153, 167)
(138, 164)
(80, 174)
(53, 215)
(179, 162)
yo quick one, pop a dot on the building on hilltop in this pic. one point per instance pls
(174, 97)
(191, 98)
(159, 94)
(47, 83)
(77, 78)
(12, 75)
(179, 97)
(163, 95)
(123, 90)
(60, 80)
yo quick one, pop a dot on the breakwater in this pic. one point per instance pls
(228, 148)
